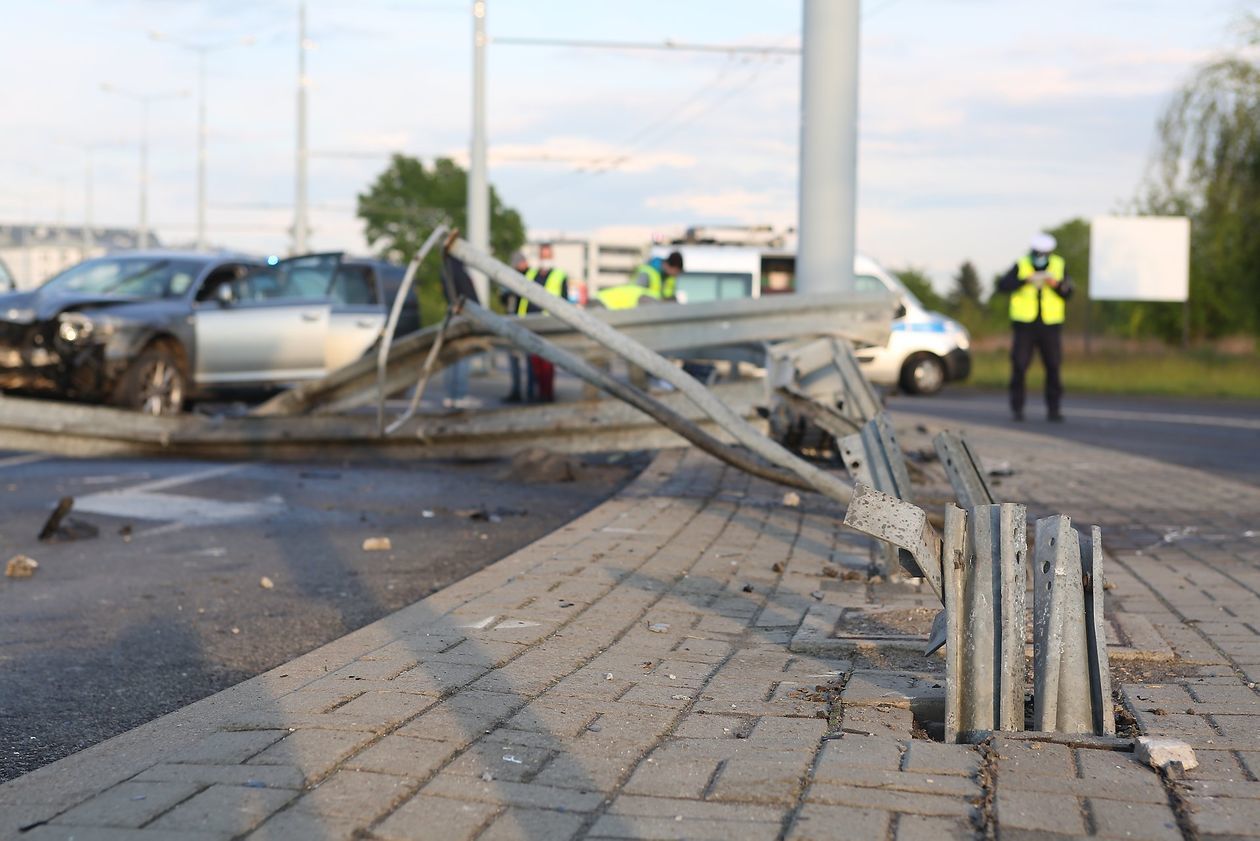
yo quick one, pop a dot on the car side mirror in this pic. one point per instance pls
(225, 294)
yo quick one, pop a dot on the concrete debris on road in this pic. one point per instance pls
(377, 544)
(266, 583)
(20, 566)
(659, 627)
(792, 499)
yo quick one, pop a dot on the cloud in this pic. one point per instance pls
(738, 205)
(582, 154)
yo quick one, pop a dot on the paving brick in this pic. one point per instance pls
(816, 822)
(802, 733)
(516, 824)
(507, 793)
(664, 819)
(718, 726)
(1243, 729)
(909, 781)
(313, 752)
(888, 722)
(1017, 758)
(1038, 811)
(868, 688)
(233, 809)
(923, 828)
(464, 717)
(936, 758)
(754, 780)
(356, 794)
(294, 826)
(865, 797)
(501, 761)
(130, 804)
(401, 756)
(1148, 821)
(421, 817)
(275, 776)
(50, 832)
(1229, 817)
(229, 747)
(858, 752)
(388, 708)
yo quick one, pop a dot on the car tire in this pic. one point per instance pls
(923, 373)
(156, 383)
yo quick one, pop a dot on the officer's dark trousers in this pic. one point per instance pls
(1047, 340)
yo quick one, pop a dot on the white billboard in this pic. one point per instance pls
(1139, 258)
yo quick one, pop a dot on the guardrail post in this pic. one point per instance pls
(1099, 666)
(964, 470)
(983, 568)
(902, 524)
(874, 458)
(1062, 699)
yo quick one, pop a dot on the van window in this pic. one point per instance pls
(870, 283)
(698, 287)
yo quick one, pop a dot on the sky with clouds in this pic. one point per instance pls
(981, 120)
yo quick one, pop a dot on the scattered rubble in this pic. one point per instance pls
(377, 544)
(20, 566)
(1165, 754)
(792, 499)
(266, 583)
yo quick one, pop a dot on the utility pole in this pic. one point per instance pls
(142, 229)
(828, 171)
(301, 225)
(478, 190)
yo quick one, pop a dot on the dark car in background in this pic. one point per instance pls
(154, 330)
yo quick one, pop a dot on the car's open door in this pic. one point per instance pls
(268, 327)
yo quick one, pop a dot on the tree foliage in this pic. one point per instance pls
(1208, 168)
(402, 206)
(917, 281)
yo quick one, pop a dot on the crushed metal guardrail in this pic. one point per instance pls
(978, 568)
(964, 469)
(873, 457)
(817, 384)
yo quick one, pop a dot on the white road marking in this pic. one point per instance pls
(1135, 415)
(175, 511)
(29, 458)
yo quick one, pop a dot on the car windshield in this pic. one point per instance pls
(131, 277)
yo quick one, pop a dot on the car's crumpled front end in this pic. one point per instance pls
(67, 354)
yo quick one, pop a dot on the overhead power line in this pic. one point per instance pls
(666, 45)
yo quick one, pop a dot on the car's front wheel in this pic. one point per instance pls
(156, 383)
(923, 373)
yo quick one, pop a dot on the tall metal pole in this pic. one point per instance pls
(478, 191)
(301, 229)
(201, 149)
(87, 206)
(142, 232)
(828, 174)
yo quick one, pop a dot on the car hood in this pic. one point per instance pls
(30, 307)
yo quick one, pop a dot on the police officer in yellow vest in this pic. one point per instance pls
(1039, 287)
(656, 279)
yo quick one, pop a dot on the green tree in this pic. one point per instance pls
(916, 280)
(406, 201)
(966, 287)
(1208, 168)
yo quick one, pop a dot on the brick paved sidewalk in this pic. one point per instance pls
(696, 660)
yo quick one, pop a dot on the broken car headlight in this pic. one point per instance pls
(75, 328)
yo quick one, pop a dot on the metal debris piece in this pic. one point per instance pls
(963, 469)
(903, 525)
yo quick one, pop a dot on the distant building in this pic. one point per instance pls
(35, 253)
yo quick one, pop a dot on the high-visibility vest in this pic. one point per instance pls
(660, 286)
(1030, 299)
(554, 285)
(623, 297)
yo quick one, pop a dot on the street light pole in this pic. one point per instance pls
(478, 189)
(203, 131)
(828, 169)
(301, 227)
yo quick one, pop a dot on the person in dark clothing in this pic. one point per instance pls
(1039, 287)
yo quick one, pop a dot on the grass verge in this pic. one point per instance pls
(1170, 373)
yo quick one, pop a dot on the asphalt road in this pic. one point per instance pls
(1219, 436)
(166, 604)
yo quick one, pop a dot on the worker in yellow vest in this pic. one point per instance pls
(555, 281)
(1039, 287)
(656, 279)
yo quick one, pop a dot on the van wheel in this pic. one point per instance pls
(923, 373)
(156, 383)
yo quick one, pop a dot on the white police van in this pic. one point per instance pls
(925, 349)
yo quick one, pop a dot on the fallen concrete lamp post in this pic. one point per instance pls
(978, 570)
(653, 363)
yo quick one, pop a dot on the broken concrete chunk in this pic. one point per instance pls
(792, 499)
(658, 627)
(266, 583)
(377, 544)
(20, 566)
(1160, 753)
